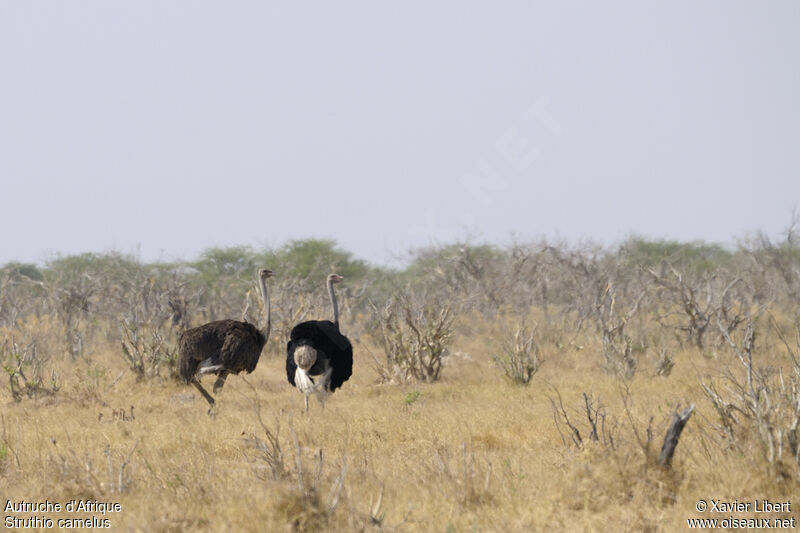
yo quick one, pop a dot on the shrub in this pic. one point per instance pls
(414, 335)
(519, 355)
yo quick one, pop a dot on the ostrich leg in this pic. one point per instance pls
(220, 381)
(203, 391)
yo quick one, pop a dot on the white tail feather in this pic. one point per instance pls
(303, 382)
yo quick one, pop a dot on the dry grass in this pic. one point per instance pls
(470, 452)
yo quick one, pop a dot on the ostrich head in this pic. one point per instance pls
(264, 273)
(305, 356)
(334, 278)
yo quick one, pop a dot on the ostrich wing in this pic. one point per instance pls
(240, 351)
(342, 363)
(339, 351)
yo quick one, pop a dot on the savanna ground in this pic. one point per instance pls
(610, 344)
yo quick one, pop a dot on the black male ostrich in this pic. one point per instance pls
(319, 359)
(223, 347)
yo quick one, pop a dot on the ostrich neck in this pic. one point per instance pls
(333, 303)
(265, 297)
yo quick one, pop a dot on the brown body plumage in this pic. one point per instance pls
(234, 345)
(223, 347)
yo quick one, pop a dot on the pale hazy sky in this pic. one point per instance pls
(164, 128)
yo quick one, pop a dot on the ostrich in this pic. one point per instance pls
(316, 349)
(223, 347)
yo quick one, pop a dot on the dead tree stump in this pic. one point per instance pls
(673, 434)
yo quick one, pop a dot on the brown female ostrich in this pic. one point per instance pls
(319, 359)
(223, 347)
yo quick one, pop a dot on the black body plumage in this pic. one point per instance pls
(331, 346)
